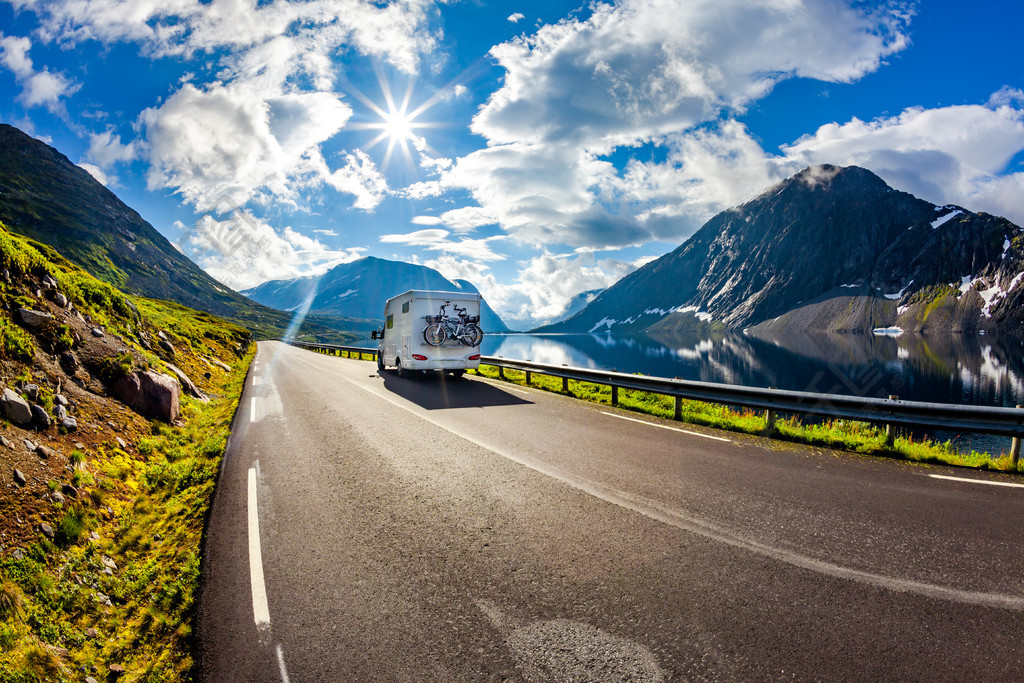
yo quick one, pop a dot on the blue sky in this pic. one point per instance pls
(538, 149)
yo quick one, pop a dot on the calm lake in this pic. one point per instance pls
(965, 369)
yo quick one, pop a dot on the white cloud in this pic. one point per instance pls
(461, 90)
(547, 283)
(516, 17)
(631, 74)
(38, 88)
(360, 178)
(436, 239)
(396, 32)
(227, 144)
(426, 220)
(954, 154)
(244, 251)
(96, 172)
(106, 149)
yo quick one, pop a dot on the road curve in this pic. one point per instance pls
(367, 527)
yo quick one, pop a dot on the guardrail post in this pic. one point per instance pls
(565, 385)
(769, 422)
(679, 407)
(501, 372)
(615, 395)
(890, 430)
(527, 377)
(1015, 447)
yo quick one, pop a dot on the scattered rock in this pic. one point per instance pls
(60, 412)
(19, 477)
(18, 554)
(161, 336)
(60, 400)
(166, 346)
(93, 536)
(79, 445)
(90, 679)
(15, 408)
(116, 668)
(31, 391)
(47, 530)
(69, 424)
(222, 366)
(108, 562)
(121, 443)
(190, 388)
(69, 490)
(107, 571)
(97, 332)
(30, 445)
(57, 497)
(69, 362)
(92, 633)
(151, 394)
(60, 299)
(34, 319)
(4, 441)
(39, 417)
(44, 452)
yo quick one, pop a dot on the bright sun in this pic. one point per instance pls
(396, 125)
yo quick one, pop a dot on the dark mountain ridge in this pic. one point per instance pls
(829, 249)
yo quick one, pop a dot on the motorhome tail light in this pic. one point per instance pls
(418, 356)
(475, 356)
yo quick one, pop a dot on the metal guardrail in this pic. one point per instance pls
(334, 349)
(891, 412)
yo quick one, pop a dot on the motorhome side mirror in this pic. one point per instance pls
(373, 335)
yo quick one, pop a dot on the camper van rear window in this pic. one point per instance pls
(405, 307)
(391, 321)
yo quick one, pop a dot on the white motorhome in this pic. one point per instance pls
(430, 331)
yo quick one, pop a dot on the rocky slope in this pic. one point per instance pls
(49, 199)
(360, 288)
(830, 249)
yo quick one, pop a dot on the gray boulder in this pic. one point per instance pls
(15, 408)
(39, 417)
(151, 394)
(32, 318)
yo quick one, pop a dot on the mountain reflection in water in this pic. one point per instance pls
(964, 369)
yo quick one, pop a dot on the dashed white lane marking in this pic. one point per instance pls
(280, 665)
(674, 429)
(252, 409)
(260, 610)
(977, 481)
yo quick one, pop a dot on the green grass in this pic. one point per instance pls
(846, 435)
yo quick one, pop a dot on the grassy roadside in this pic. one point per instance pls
(64, 615)
(100, 536)
(846, 435)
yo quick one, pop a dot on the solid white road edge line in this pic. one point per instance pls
(977, 481)
(679, 520)
(674, 429)
(260, 610)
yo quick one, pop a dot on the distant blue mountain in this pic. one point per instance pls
(360, 288)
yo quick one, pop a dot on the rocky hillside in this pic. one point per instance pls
(115, 410)
(51, 200)
(830, 249)
(360, 288)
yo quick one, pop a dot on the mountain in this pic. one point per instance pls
(47, 198)
(359, 289)
(829, 249)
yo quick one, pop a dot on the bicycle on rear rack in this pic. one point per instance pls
(442, 327)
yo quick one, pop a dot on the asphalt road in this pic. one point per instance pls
(372, 528)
